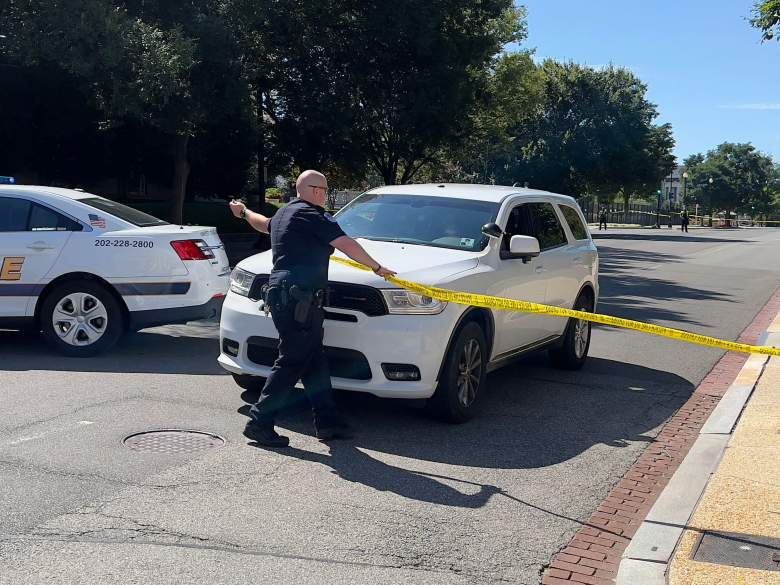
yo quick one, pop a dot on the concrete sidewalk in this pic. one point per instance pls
(718, 520)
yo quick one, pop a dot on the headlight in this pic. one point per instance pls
(241, 282)
(403, 302)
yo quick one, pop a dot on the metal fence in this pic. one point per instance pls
(636, 213)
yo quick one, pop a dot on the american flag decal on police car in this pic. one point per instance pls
(96, 221)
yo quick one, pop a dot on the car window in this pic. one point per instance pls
(13, 214)
(520, 223)
(575, 223)
(43, 219)
(538, 220)
(549, 230)
(442, 222)
(123, 212)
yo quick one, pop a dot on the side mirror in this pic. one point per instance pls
(493, 230)
(525, 247)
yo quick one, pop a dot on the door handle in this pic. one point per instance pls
(576, 260)
(40, 246)
(539, 269)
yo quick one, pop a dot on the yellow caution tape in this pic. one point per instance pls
(491, 302)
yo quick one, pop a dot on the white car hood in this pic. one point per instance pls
(424, 264)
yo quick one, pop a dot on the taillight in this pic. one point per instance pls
(192, 249)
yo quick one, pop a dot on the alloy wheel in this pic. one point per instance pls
(581, 337)
(469, 372)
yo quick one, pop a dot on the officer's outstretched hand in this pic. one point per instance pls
(237, 207)
(384, 272)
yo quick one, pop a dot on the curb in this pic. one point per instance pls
(646, 559)
(594, 554)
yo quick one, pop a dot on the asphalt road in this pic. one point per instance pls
(410, 500)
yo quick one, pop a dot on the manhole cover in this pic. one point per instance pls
(172, 441)
(739, 550)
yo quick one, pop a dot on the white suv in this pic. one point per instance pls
(502, 241)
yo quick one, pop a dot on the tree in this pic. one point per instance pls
(742, 178)
(766, 17)
(162, 64)
(380, 84)
(513, 95)
(593, 133)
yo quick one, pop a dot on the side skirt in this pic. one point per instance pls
(508, 357)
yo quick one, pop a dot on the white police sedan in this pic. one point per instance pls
(83, 269)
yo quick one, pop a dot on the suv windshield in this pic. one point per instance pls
(413, 219)
(138, 218)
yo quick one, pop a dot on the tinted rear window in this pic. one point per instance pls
(579, 231)
(13, 214)
(123, 212)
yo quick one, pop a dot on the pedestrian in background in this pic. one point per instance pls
(684, 221)
(603, 218)
(303, 237)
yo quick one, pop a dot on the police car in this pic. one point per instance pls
(502, 241)
(84, 269)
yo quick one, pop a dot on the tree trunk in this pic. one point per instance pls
(181, 173)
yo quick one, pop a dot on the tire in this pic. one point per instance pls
(81, 319)
(251, 383)
(462, 381)
(573, 351)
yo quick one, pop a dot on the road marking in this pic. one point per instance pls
(20, 440)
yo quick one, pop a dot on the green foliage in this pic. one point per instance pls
(366, 90)
(766, 17)
(742, 178)
(568, 128)
(215, 214)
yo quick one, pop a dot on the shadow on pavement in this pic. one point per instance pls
(532, 417)
(626, 291)
(667, 237)
(170, 350)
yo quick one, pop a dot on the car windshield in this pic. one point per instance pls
(138, 218)
(443, 222)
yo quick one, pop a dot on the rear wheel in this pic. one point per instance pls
(573, 352)
(463, 377)
(81, 319)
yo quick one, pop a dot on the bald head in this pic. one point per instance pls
(312, 186)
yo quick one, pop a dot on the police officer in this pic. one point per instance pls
(303, 237)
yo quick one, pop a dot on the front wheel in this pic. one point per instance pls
(573, 352)
(463, 377)
(81, 318)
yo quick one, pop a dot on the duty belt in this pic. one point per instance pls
(286, 294)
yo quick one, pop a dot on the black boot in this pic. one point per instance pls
(265, 436)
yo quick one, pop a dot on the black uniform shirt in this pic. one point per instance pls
(300, 242)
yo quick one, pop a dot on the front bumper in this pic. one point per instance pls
(420, 340)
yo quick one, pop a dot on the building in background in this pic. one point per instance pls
(671, 187)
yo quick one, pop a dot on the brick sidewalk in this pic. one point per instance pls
(593, 555)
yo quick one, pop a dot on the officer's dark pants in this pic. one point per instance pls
(602, 222)
(301, 358)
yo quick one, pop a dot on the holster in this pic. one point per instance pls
(303, 302)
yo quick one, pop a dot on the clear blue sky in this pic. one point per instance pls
(704, 65)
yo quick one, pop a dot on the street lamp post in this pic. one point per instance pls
(658, 211)
(710, 181)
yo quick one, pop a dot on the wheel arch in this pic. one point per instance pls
(77, 276)
(484, 318)
(588, 290)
